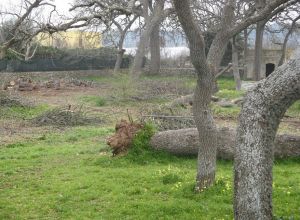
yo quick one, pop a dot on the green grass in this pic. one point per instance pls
(226, 112)
(294, 110)
(71, 175)
(229, 94)
(124, 91)
(94, 100)
(18, 112)
(226, 83)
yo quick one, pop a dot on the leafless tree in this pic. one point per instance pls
(26, 25)
(290, 22)
(207, 69)
(260, 29)
(152, 21)
(115, 15)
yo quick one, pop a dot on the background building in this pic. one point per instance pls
(71, 40)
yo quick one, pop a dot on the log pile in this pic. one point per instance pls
(186, 141)
(20, 84)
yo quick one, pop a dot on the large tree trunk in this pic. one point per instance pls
(206, 71)
(235, 65)
(202, 98)
(121, 51)
(260, 27)
(153, 20)
(259, 120)
(155, 50)
(185, 142)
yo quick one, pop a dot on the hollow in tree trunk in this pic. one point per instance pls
(259, 120)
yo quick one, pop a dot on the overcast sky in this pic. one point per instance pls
(62, 5)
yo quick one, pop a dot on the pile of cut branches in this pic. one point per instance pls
(7, 100)
(67, 116)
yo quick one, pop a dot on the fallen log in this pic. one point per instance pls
(185, 142)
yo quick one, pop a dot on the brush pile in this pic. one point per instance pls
(67, 116)
(7, 100)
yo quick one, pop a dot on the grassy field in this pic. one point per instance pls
(68, 173)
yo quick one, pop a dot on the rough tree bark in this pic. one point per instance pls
(260, 28)
(202, 97)
(261, 113)
(235, 65)
(185, 142)
(206, 70)
(155, 50)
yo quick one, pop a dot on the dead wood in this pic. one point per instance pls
(186, 141)
(125, 131)
(66, 116)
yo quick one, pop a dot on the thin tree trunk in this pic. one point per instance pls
(155, 50)
(27, 55)
(202, 98)
(119, 60)
(245, 52)
(259, 120)
(235, 65)
(121, 51)
(151, 22)
(284, 45)
(136, 69)
(3, 53)
(283, 50)
(260, 27)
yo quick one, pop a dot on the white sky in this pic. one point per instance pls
(62, 5)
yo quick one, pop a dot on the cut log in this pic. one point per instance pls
(185, 142)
